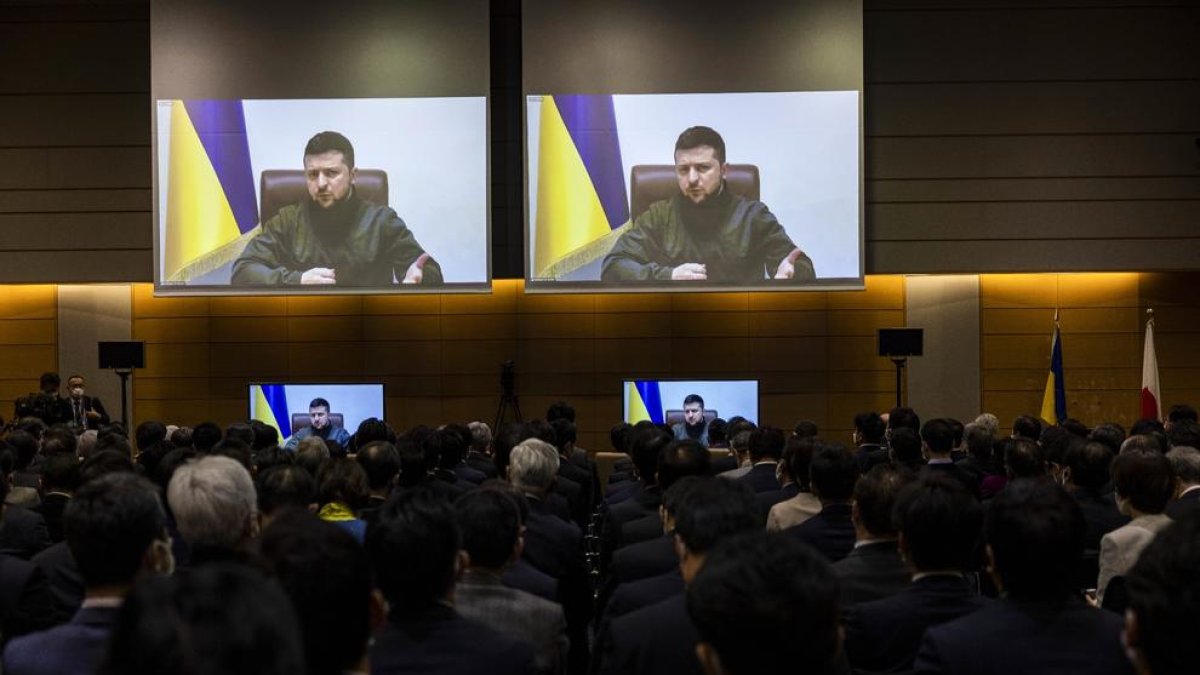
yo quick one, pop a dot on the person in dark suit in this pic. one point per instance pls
(325, 574)
(565, 435)
(789, 487)
(1088, 482)
(1034, 535)
(116, 529)
(1185, 460)
(87, 412)
(764, 604)
(937, 438)
(718, 438)
(939, 525)
(980, 460)
(415, 551)
(60, 478)
(479, 455)
(832, 475)
(660, 638)
(905, 448)
(869, 430)
(381, 462)
(678, 459)
(874, 568)
(490, 522)
(1161, 632)
(766, 450)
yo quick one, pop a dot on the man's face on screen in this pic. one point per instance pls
(320, 417)
(328, 178)
(693, 413)
(699, 172)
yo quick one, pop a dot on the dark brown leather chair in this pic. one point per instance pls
(280, 187)
(301, 420)
(649, 183)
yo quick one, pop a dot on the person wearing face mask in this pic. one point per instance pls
(87, 412)
(1145, 483)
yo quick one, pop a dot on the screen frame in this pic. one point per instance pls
(253, 383)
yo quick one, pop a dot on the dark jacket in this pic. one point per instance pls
(440, 641)
(830, 532)
(870, 572)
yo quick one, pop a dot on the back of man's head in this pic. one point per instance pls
(1024, 459)
(938, 437)
(1055, 443)
(1076, 427)
(205, 436)
(490, 522)
(905, 445)
(766, 443)
(564, 434)
(1185, 462)
(870, 427)
(381, 461)
(619, 435)
(311, 455)
(979, 441)
(644, 448)
(326, 575)
(1145, 479)
(285, 485)
(681, 458)
(904, 417)
(939, 523)
(214, 502)
(235, 449)
(694, 137)
(713, 509)
(1164, 601)
(806, 429)
(875, 496)
(1025, 426)
(1185, 434)
(718, 432)
(797, 455)
(24, 446)
(533, 466)
(1148, 441)
(1035, 531)
(59, 441)
(481, 437)
(1110, 434)
(413, 546)
(1089, 464)
(60, 473)
(103, 463)
(452, 448)
(110, 524)
(765, 603)
(343, 481)
(371, 430)
(265, 436)
(242, 431)
(560, 410)
(833, 473)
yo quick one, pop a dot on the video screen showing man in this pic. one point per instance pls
(694, 424)
(334, 237)
(322, 427)
(705, 233)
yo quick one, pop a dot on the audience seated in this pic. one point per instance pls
(832, 475)
(116, 529)
(215, 508)
(679, 458)
(939, 525)
(327, 577)
(416, 551)
(1087, 479)
(490, 523)
(937, 439)
(479, 455)
(803, 504)
(873, 569)
(342, 491)
(1161, 634)
(766, 450)
(764, 604)
(905, 448)
(1185, 462)
(1034, 537)
(218, 620)
(869, 430)
(1144, 484)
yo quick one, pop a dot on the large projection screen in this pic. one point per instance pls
(253, 195)
(619, 198)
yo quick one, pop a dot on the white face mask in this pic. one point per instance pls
(77, 392)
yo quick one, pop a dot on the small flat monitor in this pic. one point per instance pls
(285, 406)
(901, 341)
(661, 401)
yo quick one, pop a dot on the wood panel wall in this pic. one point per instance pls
(1103, 323)
(440, 356)
(28, 340)
(1001, 135)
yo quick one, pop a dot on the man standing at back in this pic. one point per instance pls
(705, 233)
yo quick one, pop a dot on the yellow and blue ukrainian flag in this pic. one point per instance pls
(211, 206)
(270, 408)
(645, 402)
(1054, 398)
(581, 197)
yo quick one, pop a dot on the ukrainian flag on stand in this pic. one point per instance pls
(645, 402)
(581, 198)
(270, 408)
(1054, 398)
(211, 206)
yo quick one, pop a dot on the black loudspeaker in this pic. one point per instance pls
(901, 341)
(122, 355)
